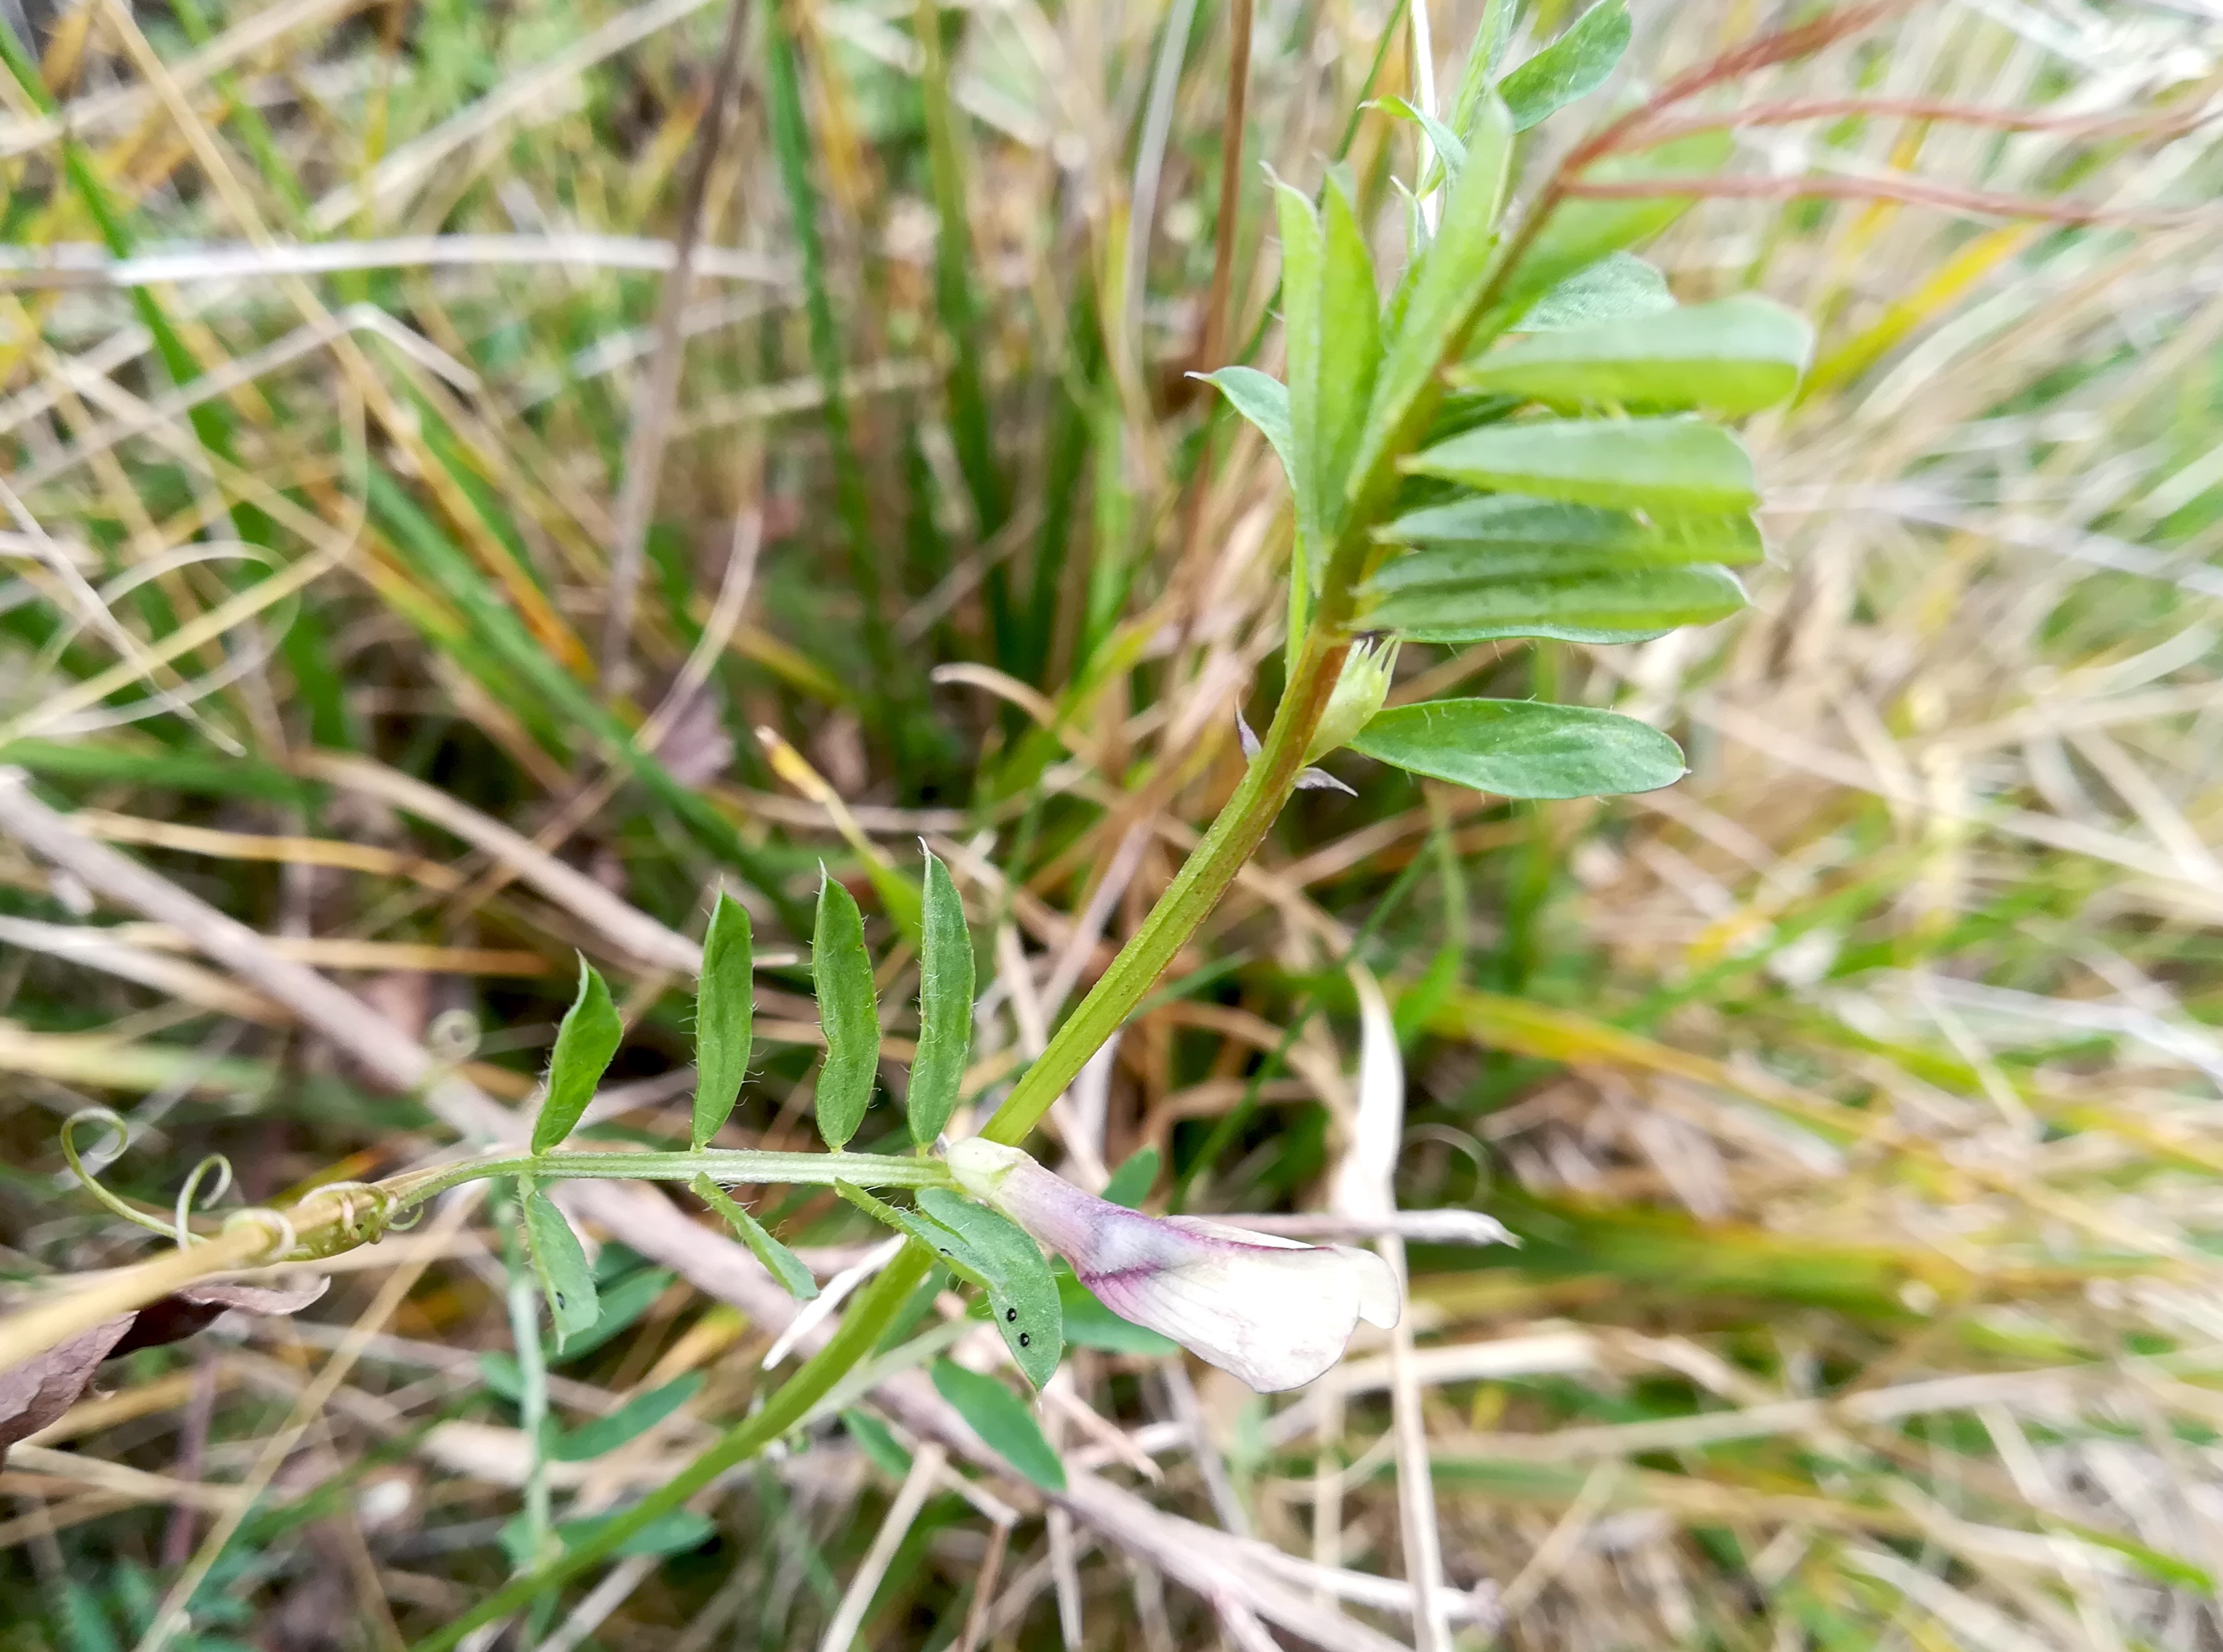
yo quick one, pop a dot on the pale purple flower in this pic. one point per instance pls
(1275, 1312)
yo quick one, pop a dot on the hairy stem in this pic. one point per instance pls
(1192, 895)
(728, 1165)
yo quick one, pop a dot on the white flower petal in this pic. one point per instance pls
(1379, 1302)
(1275, 1312)
(1276, 1318)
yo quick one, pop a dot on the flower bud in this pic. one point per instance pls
(1359, 692)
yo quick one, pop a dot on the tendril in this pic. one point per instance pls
(372, 1222)
(86, 1179)
(283, 1239)
(183, 1209)
(408, 1219)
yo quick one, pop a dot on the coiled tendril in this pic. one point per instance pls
(114, 1142)
(222, 1166)
(365, 1211)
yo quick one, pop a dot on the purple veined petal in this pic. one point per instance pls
(1274, 1311)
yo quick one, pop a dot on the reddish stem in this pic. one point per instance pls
(1915, 192)
(1926, 109)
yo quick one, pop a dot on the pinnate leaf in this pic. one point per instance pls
(1581, 231)
(1303, 259)
(1264, 400)
(1450, 147)
(1439, 306)
(1508, 533)
(1617, 287)
(1350, 353)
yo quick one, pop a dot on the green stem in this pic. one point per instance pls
(720, 1165)
(860, 1329)
(1204, 877)
(532, 1396)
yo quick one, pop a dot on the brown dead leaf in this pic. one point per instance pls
(178, 1315)
(38, 1391)
(34, 1393)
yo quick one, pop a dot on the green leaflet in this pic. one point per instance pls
(1450, 148)
(1000, 1418)
(1657, 464)
(1130, 1184)
(628, 1422)
(723, 1005)
(558, 1263)
(1487, 535)
(945, 1008)
(668, 1533)
(1302, 276)
(995, 1256)
(1022, 1291)
(780, 1262)
(1013, 1276)
(950, 1247)
(1264, 400)
(1520, 748)
(1350, 356)
(1734, 357)
(1438, 305)
(1571, 66)
(622, 1303)
(841, 970)
(878, 1442)
(1484, 55)
(1618, 287)
(584, 1044)
(1582, 231)
(1617, 605)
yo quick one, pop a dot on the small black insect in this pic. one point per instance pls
(1010, 1314)
(1024, 1340)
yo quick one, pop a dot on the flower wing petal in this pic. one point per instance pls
(1276, 1312)
(1275, 1318)
(1379, 1302)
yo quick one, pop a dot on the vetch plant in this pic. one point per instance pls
(1507, 437)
